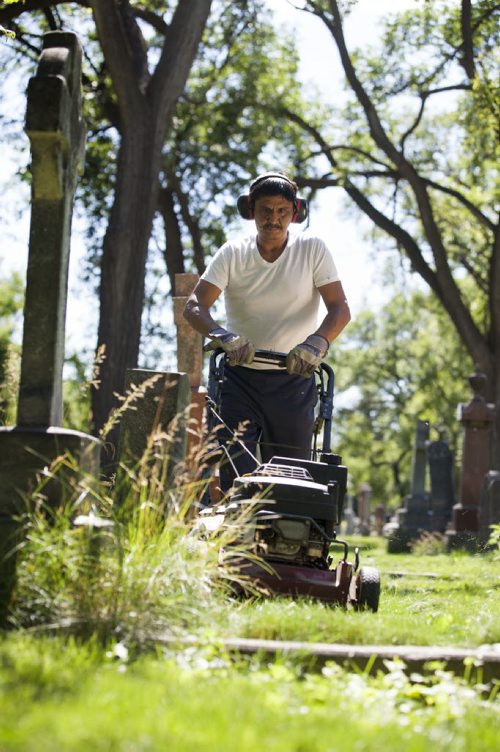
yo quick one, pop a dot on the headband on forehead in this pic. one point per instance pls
(245, 203)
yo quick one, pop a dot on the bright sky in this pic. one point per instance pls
(345, 234)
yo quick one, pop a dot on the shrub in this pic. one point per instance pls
(429, 544)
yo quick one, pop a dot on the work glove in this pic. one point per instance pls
(303, 359)
(239, 349)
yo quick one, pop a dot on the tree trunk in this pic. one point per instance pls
(174, 252)
(123, 265)
(147, 104)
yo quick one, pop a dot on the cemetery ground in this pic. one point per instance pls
(121, 644)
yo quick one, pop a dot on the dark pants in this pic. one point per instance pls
(272, 410)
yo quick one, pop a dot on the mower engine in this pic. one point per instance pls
(293, 513)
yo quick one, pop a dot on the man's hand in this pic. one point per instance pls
(303, 359)
(239, 349)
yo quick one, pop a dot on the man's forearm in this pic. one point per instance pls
(199, 317)
(334, 322)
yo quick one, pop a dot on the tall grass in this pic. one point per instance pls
(119, 561)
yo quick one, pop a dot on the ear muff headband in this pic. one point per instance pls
(244, 205)
(268, 175)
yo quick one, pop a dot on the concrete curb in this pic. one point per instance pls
(485, 661)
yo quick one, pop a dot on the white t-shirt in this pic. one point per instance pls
(274, 304)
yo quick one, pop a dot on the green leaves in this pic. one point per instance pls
(401, 363)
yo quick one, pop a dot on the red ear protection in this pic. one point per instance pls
(244, 204)
(301, 211)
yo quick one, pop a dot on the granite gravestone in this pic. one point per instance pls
(414, 517)
(440, 462)
(489, 511)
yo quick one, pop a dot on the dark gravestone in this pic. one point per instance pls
(440, 463)
(56, 131)
(414, 517)
(364, 499)
(489, 512)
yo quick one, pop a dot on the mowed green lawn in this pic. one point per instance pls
(57, 694)
(425, 600)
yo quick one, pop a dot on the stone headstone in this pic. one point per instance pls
(412, 519)
(160, 412)
(56, 131)
(440, 462)
(189, 341)
(364, 499)
(379, 519)
(349, 517)
(190, 361)
(489, 511)
(477, 418)
(419, 462)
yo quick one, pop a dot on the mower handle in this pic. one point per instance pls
(261, 356)
(266, 356)
(324, 372)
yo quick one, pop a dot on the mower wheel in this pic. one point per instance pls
(368, 589)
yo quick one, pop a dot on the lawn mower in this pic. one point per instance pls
(293, 507)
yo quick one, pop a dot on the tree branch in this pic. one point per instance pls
(441, 281)
(124, 53)
(483, 219)
(467, 58)
(174, 257)
(153, 19)
(191, 224)
(14, 10)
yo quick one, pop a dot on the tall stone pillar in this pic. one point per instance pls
(414, 517)
(56, 130)
(190, 359)
(364, 499)
(477, 418)
(440, 462)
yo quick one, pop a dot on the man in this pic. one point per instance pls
(273, 283)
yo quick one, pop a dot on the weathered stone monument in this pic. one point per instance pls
(413, 518)
(157, 417)
(364, 499)
(349, 517)
(379, 519)
(190, 358)
(442, 493)
(56, 130)
(489, 508)
(172, 403)
(477, 418)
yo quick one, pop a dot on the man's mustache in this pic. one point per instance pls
(271, 226)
